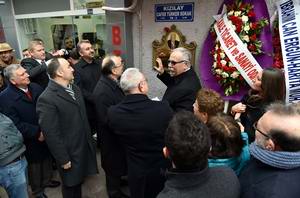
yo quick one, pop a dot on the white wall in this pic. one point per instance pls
(146, 30)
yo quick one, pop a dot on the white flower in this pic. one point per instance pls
(215, 56)
(216, 47)
(225, 75)
(235, 74)
(215, 65)
(223, 62)
(237, 13)
(233, 27)
(245, 18)
(230, 64)
(222, 55)
(230, 13)
(246, 28)
(218, 71)
(246, 38)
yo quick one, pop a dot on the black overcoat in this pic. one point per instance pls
(22, 111)
(37, 72)
(64, 123)
(113, 158)
(181, 90)
(140, 124)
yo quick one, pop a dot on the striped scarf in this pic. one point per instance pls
(277, 159)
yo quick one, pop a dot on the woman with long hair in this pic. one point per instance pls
(268, 87)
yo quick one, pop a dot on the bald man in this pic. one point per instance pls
(274, 170)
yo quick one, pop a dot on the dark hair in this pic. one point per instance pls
(107, 65)
(188, 141)
(74, 54)
(273, 79)
(282, 138)
(24, 50)
(53, 67)
(226, 139)
(209, 101)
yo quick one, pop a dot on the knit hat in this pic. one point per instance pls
(4, 47)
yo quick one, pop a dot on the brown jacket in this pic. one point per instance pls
(2, 66)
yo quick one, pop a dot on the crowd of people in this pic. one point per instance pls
(182, 146)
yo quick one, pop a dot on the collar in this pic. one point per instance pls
(24, 90)
(184, 179)
(182, 76)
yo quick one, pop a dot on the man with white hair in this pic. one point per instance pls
(181, 80)
(274, 170)
(140, 124)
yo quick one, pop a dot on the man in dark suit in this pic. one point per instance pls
(88, 69)
(36, 66)
(62, 117)
(18, 102)
(181, 80)
(140, 124)
(107, 93)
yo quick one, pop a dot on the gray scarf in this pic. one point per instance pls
(277, 159)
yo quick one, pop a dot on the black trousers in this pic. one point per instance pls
(39, 174)
(113, 186)
(71, 191)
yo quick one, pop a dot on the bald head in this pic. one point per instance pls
(282, 123)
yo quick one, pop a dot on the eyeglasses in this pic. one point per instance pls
(263, 133)
(171, 62)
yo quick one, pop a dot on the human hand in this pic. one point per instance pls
(67, 165)
(41, 138)
(159, 67)
(238, 108)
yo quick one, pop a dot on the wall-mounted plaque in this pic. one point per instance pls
(172, 39)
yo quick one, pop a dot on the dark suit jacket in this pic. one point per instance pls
(67, 132)
(36, 71)
(113, 158)
(22, 111)
(140, 124)
(264, 181)
(181, 90)
(89, 75)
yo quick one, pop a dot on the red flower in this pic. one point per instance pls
(251, 14)
(253, 37)
(252, 47)
(253, 26)
(238, 28)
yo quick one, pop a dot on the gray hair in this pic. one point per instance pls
(10, 70)
(282, 109)
(130, 79)
(185, 53)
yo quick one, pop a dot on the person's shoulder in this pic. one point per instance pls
(28, 61)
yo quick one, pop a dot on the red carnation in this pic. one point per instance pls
(251, 14)
(253, 37)
(253, 26)
(252, 47)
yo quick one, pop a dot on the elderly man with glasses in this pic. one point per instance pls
(181, 80)
(274, 170)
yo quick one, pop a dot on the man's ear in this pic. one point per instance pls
(12, 81)
(270, 145)
(59, 72)
(166, 152)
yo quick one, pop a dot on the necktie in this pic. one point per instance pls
(28, 94)
(70, 91)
